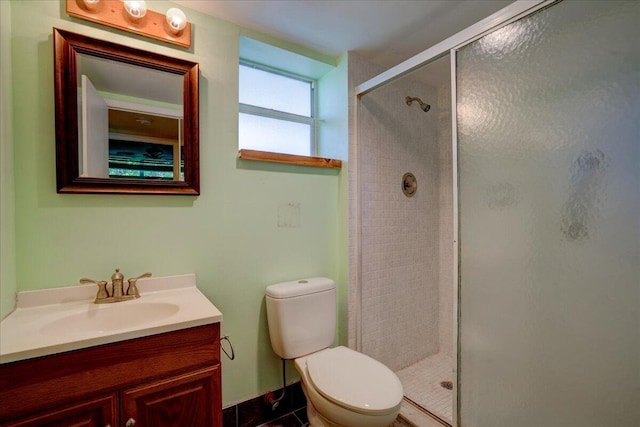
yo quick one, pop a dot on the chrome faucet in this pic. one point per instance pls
(117, 291)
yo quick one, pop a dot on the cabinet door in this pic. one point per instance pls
(100, 412)
(192, 399)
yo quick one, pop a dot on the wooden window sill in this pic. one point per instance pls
(266, 156)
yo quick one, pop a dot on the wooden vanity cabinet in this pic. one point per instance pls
(182, 399)
(170, 379)
(97, 412)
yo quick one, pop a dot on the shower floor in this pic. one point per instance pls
(421, 383)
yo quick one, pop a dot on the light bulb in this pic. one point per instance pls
(176, 20)
(90, 4)
(135, 8)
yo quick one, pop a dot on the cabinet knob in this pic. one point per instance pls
(130, 422)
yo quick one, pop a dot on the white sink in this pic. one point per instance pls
(54, 320)
(110, 317)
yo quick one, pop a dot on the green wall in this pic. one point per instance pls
(334, 112)
(228, 236)
(7, 227)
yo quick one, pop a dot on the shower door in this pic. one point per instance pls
(549, 224)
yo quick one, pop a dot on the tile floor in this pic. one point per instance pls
(293, 419)
(291, 412)
(421, 383)
(299, 419)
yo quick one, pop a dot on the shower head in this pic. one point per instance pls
(423, 106)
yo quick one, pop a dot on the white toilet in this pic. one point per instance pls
(343, 387)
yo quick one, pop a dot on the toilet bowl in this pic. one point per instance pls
(343, 388)
(347, 388)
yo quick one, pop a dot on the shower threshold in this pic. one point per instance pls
(426, 390)
(417, 416)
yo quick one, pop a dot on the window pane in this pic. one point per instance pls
(279, 136)
(275, 92)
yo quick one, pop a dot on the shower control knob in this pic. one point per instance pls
(409, 184)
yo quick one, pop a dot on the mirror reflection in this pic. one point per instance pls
(130, 119)
(144, 146)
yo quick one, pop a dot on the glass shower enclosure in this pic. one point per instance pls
(549, 173)
(544, 175)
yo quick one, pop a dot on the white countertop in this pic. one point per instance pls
(56, 320)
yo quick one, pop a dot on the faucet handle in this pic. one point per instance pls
(142, 276)
(103, 294)
(133, 289)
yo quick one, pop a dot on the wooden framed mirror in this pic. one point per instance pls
(126, 119)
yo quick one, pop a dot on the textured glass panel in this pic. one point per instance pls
(279, 136)
(274, 91)
(549, 161)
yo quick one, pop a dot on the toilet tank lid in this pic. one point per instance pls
(296, 288)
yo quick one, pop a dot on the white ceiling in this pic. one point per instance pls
(385, 32)
(141, 82)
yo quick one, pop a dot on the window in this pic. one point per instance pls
(277, 111)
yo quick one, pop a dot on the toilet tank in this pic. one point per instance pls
(301, 316)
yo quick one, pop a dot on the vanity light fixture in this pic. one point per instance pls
(133, 16)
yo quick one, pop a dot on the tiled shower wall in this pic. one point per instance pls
(401, 237)
(359, 71)
(445, 207)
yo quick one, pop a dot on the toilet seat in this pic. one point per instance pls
(354, 381)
